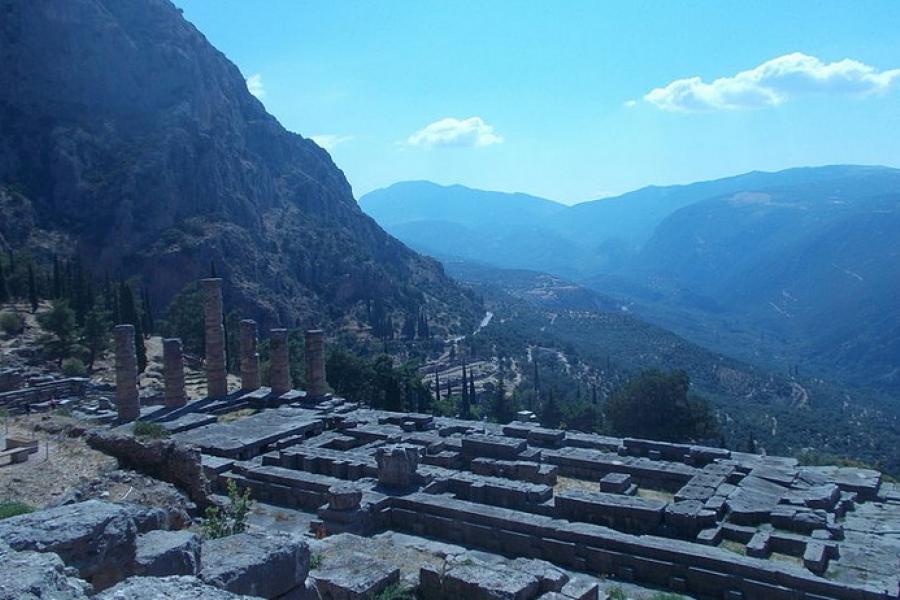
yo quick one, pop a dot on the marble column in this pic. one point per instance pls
(128, 402)
(249, 356)
(173, 373)
(216, 375)
(315, 363)
(279, 362)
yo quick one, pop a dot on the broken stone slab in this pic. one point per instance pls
(344, 497)
(815, 557)
(581, 588)
(552, 579)
(615, 483)
(397, 465)
(167, 588)
(96, 538)
(758, 546)
(354, 577)
(477, 581)
(256, 564)
(38, 575)
(164, 553)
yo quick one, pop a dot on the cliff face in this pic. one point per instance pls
(128, 139)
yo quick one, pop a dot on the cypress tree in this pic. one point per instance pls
(437, 385)
(129, 314)
(471, 387)
(537, 375)
(32, 289)
(57, 279)
(4, 290)
(449, 388)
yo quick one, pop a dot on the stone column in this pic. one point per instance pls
(279, 362)
(173, 373)
(315, 363)
(216, 375)
(249, 356)
(397, 465)
(128, 402)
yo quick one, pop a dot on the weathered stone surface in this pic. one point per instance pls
(96, 538)
(552, 579)
(128, 402)
(163, 553)
(397, 465)
(343, 497)
(216, 375)
(354, 577)
(279, 362)
(477, 581)
(167, 588)
(173, 373)
(249, 356)
(164, 459)
(38, 575)
(256, 564)
(316, 384)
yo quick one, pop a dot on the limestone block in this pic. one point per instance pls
(159, 588)
(164, 553)
(256, 564)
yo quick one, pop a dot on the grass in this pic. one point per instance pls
(616, 593)
(150, 430)
(397, 592)
(11, 509)
(315, 560)
(237, 414)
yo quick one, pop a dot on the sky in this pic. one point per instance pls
(570, 100)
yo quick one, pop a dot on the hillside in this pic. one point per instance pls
(128, 140)
(586, 340)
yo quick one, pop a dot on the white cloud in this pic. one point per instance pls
(329, 141)
(629, 103)
(455, 132)
(255, 86)
(773, 83)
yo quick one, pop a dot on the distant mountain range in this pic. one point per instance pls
(129, 141)
(798, 269)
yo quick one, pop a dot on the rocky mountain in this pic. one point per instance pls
(793, 269)
(128, 139)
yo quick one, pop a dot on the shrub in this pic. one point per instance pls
(12, 323)
(73, 367)
(397, 592)
(617, 593)
(11, 509)
(150, 430)
(232, 518)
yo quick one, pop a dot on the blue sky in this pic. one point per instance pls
(570, 100)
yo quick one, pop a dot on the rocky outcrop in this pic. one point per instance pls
(267, 565)
(163, 588)
(128, 139)
(163, 459)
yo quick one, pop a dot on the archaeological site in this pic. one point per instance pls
(353, 503)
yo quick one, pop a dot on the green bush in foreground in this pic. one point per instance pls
(12, 323)
(11, 509)
(231, 519)
(73, 367)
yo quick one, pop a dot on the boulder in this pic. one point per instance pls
(163, 553)
(167, 588)
(355, 577)
(96, 538)
(256, 564)
(36, 575)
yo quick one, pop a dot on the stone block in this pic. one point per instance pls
(256, 564)
(343, 497)
(163, 553)
(165, 588)
(355, 577)
(34, 575)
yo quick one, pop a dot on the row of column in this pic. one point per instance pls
(128, 401)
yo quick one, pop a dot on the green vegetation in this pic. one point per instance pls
(397, 592)
(315, 560)
(73, 367)
(230, 519)
(11, 323)
(149, 429)
(11, 509)
(658, 405)
(616, 593)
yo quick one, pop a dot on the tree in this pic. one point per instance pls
(437, 385)
(551, 416)
(32, 289)
(4, 290)
(659, 405)
(95, 334)
(504, 408)
(465, 407)
(471, 387)
(129, 314)
(59, 322)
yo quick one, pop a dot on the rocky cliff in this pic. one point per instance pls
(127, 138)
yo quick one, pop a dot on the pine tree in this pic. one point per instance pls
(4, 290)
(129, 314)
(32, 289)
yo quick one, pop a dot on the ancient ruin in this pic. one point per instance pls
(508, 510)
(217, 383)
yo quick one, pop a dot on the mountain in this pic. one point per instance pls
(793, 269)
(128, 140)
(811, 267)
